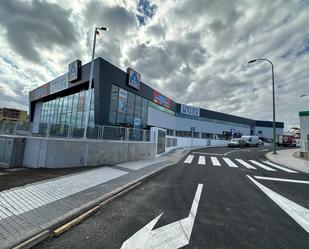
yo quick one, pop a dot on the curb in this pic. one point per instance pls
(283, 164)
(45, 231)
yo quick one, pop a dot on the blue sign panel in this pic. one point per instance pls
(134, 79)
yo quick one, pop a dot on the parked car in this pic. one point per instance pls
(235, 142)
(250, 140)
(261, 142)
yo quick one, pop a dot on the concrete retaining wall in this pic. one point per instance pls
(11, 151)
(62, 153)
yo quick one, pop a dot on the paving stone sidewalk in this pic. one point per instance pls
(28, 210)
(286, 158)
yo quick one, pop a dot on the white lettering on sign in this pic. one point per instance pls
(190, 110)
(59, 84)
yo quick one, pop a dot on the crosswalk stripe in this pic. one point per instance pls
(280, 167)
(215, 161)
(247, 165)
(230, 162)
(189, 159)
(201, 160)
(262, 165)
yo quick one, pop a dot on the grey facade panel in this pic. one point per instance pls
(268, 124)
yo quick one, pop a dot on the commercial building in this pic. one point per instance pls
(121, 99)
(12, 115)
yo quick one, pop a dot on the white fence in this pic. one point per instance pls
(65, 131)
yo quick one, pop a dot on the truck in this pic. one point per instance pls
(286, 140)
(250, 141)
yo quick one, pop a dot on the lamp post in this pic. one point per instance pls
(274, 105)
(88, 100)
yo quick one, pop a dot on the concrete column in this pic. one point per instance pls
(127, 132)
(48, 130)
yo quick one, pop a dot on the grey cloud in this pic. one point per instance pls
(121, 23)
(36, 24)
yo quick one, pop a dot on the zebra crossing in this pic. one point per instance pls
(237, 163)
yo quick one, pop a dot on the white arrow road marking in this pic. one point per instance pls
(171, 236)
(281, 179)
(294, 210)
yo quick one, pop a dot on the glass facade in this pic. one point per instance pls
(127, 109)
(68, 110)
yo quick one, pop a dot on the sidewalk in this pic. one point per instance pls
(32, 209)
(287, 159)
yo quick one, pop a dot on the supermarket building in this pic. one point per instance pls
(121, 99)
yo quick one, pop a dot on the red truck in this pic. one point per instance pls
(286, 140)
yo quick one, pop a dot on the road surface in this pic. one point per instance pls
(214, 198)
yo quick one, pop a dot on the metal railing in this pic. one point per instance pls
(68, 132)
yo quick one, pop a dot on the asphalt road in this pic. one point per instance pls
(232, 212)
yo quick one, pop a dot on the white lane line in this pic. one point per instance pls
(201, 160)
(233, 151)
(247, 165)
(262, 165)
(229, 162)
(215, 161)
(189, 159)
(280, 167)
(207, 153)
(281, 179)
(294, 210)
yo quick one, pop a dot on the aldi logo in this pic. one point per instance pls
(134, 79)
(74, 71)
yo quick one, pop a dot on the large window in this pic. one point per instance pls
(68, 110)
(127, 108)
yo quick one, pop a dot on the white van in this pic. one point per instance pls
(250, 140)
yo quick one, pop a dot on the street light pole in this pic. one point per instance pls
(88, 100)
(274, 104)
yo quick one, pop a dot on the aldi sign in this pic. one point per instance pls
(134, 79)
(74, 71)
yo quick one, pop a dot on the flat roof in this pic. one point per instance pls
(44, 91)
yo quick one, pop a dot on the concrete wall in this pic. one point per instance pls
(198, 142)
(62, 153)
(267, 132)
(11, 151)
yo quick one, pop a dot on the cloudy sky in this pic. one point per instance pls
(195, 52)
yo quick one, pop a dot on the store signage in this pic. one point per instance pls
(159, 99)
(39, 92)
(74, 71)
(190, 110)
(134, 79)
(137, 122)
(59, 84)
(81, 102)
(122, 100)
